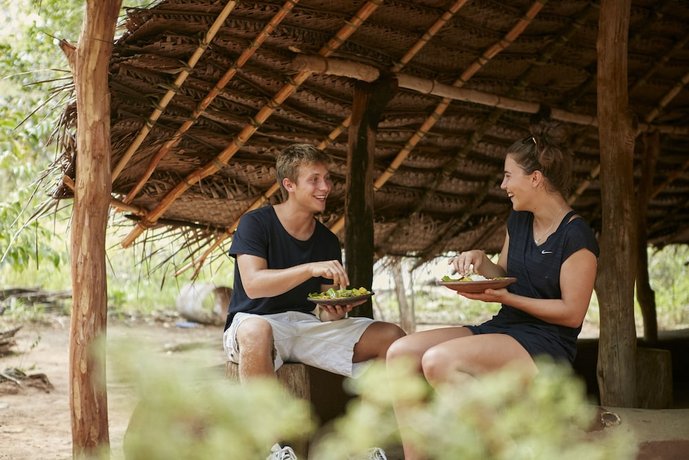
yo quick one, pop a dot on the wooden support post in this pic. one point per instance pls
(88, 394)
(369, 102)
(407, 316)
(615, 283)
(644, 292)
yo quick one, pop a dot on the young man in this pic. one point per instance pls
(282, 254)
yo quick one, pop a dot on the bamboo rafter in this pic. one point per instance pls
(198, 263)
(674, 91)
(243, 58)
(660, 63)
(473, 68)
(179, 81)
(581, 188)
(335, 133)
(519, 86)
(115, 203)
(642, 126)
(263, 114)
(428, 35)
(663, 103)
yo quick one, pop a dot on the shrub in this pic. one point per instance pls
(185, 414)
(500, 416)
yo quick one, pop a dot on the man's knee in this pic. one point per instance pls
(391, 333)
(378, 338)
(255, 335)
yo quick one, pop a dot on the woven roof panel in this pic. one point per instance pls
(445, 195)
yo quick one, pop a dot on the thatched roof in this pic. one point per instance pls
(205, 93)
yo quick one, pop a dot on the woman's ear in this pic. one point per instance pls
(537, 178)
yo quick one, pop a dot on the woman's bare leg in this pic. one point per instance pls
(474, 355)
(412, 348)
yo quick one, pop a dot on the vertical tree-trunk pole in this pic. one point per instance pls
(90, 63)
(369, 102)
(615, 284)
(644, 292)
(407, 316)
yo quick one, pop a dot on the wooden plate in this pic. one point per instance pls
(475, 287)
(340, 300)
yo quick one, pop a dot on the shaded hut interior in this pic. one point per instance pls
(197, 120)
(204, 94)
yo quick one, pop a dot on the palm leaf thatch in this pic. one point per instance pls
(205, 93)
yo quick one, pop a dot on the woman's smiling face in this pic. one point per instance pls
(518, 185)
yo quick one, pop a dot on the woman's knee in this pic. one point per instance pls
(404, 346)
(437, 364)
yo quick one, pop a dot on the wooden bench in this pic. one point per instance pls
(654, 370)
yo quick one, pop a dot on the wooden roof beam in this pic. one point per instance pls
(369, 73)
(245, 134)
(439, 110)
(521, 83)
(179, 81)
(247, 53)
(581, 188)
(335, 133)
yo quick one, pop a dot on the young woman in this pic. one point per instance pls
(553, 254)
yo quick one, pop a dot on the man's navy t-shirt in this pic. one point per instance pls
(261, 234)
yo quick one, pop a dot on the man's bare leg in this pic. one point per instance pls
(376, 340)
(255, 340)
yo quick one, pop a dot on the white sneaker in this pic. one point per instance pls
(282, 453)
(376, 454)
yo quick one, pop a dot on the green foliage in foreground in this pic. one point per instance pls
(184, 414)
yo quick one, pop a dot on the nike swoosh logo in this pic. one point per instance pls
(546, 252)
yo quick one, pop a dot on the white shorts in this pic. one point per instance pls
(303, 338)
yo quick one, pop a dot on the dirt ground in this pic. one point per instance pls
(35, 424)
